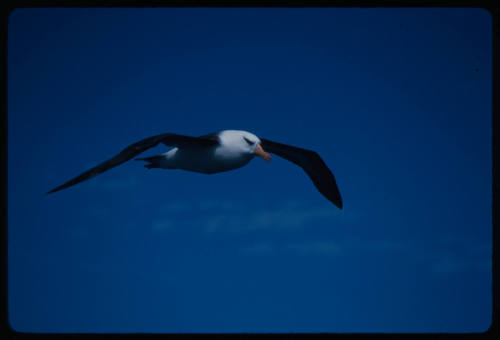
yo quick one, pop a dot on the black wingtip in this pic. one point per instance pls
(337, 202)
(330, 191)
(56, 189)
(336, 199)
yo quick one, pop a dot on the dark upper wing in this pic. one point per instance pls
(214, 137)
(169, 139)
(312, 164)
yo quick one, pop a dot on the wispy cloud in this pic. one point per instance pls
(440, 259)
(220, 216)
(258, 248)
(277, 217)
(200, 207)
(113, 183)
(163, 224)
(315, 247)
(453, 264)
(457, 253)
(346, 246)
(300, 248)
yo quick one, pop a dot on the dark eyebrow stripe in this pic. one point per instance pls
(248, 141)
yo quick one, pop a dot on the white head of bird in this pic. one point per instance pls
(244, 142)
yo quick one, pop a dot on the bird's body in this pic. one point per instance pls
(211, 161)
(224, 156)
(222, 151)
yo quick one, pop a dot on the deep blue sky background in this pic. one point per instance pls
(396, 101)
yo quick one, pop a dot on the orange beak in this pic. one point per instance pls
(259, 151)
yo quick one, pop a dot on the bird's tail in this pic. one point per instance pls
(153, 161)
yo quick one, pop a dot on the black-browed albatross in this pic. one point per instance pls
(222, 151)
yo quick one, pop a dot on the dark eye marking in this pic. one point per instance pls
(248, 141)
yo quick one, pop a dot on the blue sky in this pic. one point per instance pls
(396, 101)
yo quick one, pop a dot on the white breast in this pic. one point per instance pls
(205, 160)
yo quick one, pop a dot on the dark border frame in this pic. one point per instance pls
(8, 332)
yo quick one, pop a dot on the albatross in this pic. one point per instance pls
(217, 152)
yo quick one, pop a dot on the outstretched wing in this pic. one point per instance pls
(312, 164)
(169, 139)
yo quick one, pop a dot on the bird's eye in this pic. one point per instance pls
(248, 141)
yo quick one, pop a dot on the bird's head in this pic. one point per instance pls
(254, 144)
(247, 142)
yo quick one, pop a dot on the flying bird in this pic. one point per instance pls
(217, 152)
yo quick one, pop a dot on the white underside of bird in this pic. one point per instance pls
(231, 153)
